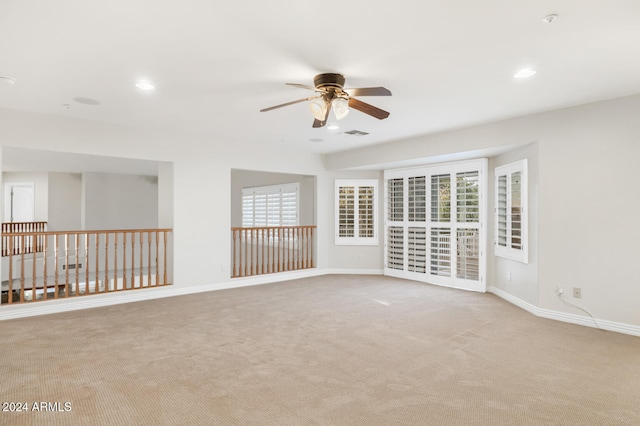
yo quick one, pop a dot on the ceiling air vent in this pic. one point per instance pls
(356, 133)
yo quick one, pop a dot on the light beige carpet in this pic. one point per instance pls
(333, 350)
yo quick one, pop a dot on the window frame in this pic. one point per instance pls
(508, 251)
(356, 184)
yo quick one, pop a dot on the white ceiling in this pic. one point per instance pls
(449, 64)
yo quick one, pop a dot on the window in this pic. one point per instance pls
(511, 229)
(356, 219)
(275, 205)
(435, 223)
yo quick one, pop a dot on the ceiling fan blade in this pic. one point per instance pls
(302, 86)
(287, 104)
(317, 123)
(368, 109)
(369, 91)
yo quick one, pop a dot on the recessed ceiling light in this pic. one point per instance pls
(8, 80)
(525, 73)
(144, 85)
(550, 18)
(333, 127)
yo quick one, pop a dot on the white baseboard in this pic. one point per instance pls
(565, 317)
(8, 312)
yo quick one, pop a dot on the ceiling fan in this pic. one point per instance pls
(331, 95)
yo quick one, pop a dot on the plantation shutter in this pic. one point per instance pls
(511, 219)
(275, 205)
(356, 221)
(434, 224)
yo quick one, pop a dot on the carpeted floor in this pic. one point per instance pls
(332, 350)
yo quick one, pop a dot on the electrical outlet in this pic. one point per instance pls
(577, 293)
(509, 276)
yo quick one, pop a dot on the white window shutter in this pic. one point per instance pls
(511, 212)
(356, 219)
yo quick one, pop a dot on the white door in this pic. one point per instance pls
(19, 202)
(435, 224)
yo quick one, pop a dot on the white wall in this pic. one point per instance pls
(119, 201)
(517, 278)
(344, 257)
(65, 203)
(586, 207)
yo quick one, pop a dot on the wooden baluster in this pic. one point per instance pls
(276, 248)
(33, 276)
(279, 248)
(10, 293)
(106, 261)
(305, 253)
(297, 231)
(66, 268)
(165, 257)
(156, 257)
(22, 272)
(86, 263)
(262, 262)
(283, 246)
(234, 245)
(96, 287)
(44, 266)
(55, 261)
(254, 252)
(250, 251)
(115, 261)
(124, 260)
(141, 262)
(300, 247)
(269, 254)
(133, 260)
(78, 264)
(310, 247)
(148, 259)
(274, 252)
(246, 248)
(305, 247)
(290, 247)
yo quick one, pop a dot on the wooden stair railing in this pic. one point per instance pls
(270, 249)
(30, 245)
(75, 263)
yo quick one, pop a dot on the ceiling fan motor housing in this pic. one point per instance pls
(329, 81)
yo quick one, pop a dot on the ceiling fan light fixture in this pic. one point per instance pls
(318, 108)
(340, 107)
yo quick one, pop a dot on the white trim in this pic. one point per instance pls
(565, 317)
(96, 301)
